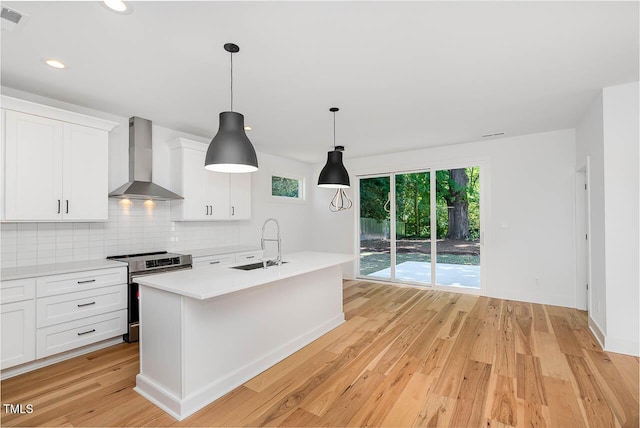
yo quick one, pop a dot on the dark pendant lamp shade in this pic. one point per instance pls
(334, 175)
(230, 150)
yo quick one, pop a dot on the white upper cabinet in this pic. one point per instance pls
(54, 170)
(33, 167)
(240, 196)
(207, 195)
(85, 173)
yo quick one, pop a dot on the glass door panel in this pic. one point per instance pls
(375, 227)
(413, 227)
(458, 227)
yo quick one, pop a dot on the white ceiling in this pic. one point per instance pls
(405, 75)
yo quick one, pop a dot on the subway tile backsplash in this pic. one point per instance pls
(133, 227)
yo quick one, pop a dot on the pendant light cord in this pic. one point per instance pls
(231, 53)
(334, 130)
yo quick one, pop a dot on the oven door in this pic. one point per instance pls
(133, 313)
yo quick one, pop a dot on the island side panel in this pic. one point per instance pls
(230, 339)
(161, 375)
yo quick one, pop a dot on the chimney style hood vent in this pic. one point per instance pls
(140, 185)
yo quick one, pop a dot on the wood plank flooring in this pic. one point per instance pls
(405, 357)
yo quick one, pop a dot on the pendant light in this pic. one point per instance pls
(230, 150)
(334, 175)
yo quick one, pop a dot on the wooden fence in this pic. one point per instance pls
(378, 229)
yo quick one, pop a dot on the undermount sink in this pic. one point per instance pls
(258, 265)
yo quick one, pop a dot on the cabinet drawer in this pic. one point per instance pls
(18, 322)
(63, 337)
(17, 290)
(248, 256)
(68, 307)
(225, 260)
(79, 281)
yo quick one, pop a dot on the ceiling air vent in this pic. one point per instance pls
(11, 18)
(496, 134)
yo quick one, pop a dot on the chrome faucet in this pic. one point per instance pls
(278, 240)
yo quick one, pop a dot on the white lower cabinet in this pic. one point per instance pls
(249, 256)
(226, 259)
(66, 336)
(79, 281)
(18, 333)
(47, 315)
(69, 307)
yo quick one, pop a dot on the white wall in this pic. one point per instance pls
(608, 134)
(590, 142)
(137, 227)
(528, 209)
(621, 190)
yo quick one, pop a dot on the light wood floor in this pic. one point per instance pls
(405, 357)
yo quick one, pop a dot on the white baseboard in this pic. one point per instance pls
(622, 346)
(47, 361)
(614, 344)
(182, 408)
(597, 331)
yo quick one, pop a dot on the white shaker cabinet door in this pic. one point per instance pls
(217, 193)
(85, 173)
(240, 196)
(18, 333)
(196, 205)
(33, 176)
(206, 193)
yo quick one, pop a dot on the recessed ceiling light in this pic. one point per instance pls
(248, 128)
(117, 5)
(55, 63)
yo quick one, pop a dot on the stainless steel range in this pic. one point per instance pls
(142, 265)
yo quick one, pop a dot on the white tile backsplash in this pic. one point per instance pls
(133, 226)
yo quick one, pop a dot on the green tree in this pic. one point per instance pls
(374, 193)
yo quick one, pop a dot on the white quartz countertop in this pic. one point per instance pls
(212, 281)
(216, 251)
(9, 274)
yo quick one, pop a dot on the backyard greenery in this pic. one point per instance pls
(457, 203)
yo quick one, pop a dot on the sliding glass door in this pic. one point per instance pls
(442, 204)
(375, 227)
(458, 227)
(413, 227)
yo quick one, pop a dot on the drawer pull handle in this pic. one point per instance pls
(87, 332)
(86, 304)
(214, 262)
(87, 281)
(249, 257)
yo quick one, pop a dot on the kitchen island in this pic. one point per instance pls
(205, 331)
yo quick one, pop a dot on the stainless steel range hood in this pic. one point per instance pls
(140, 185)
